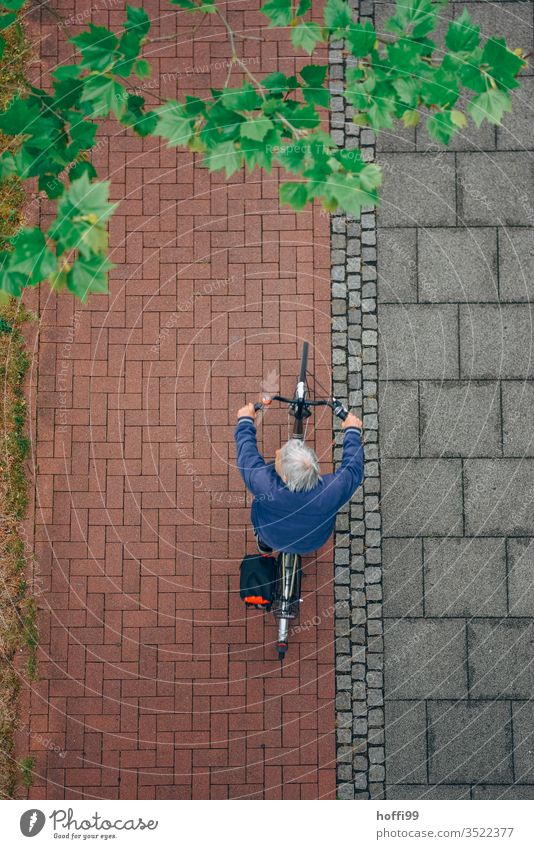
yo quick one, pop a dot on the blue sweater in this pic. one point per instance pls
(298, 522)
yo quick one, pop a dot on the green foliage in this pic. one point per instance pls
(275, 120)
(27, 765)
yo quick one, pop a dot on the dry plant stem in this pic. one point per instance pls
(172, 37)
(236, 60)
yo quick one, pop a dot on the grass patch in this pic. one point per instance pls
(26, 769)
(12, 79)
(18, 619)
(18, 610)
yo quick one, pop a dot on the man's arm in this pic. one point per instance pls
(350, 474)
(250, 463)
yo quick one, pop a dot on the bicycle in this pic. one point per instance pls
(286, 599)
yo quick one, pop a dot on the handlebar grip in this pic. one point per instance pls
(340, 411)
(260, 405)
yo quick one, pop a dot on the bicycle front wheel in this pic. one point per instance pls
(304, 362)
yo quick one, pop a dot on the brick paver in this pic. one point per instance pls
(154, 683)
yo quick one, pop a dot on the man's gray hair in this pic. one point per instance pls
(300, 466)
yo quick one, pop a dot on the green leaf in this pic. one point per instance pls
(223, 156)
(97, 47)
(82, 213)
(458, 118)
(314, 75)
(490, 106)
(243, 99)
(82, 134)
(103, 95)
(351, 160)
(291, 156)
(82, 167)
(462, 34)
(143, 69)
(126, 54)
(143, 123)
(294, 194)
(7, 164)
(503, 64)
(138, 20)
(317, 96)
(440, 89)
(89, 275)
(407, 89)
(380, 112)
(256, 128)
(19, 117)
(345, 190)
(370, 176)
(31, 257)
(279, 12)
(7, 20)
(306, 36)
(405, 54)
(277, 83)
(13, 5)
(361, 38)
(194, 106)
(185, 4)
(260, 153)
(10, 281)
(337, 14)
(303, 7)
(90, 199)
(441, 127)
(304, 117)
(173, 124)
(413, 17)
(50, 184)
(66, 72)
(411, 118)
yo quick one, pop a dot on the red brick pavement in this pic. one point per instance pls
(154, 682)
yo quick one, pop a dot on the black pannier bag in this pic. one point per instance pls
(256, 583)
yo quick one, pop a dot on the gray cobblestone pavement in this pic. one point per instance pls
(432, 315)
(456, 391)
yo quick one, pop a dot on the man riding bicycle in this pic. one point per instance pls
(295, 507)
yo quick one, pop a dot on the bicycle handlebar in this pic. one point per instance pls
(336, 406)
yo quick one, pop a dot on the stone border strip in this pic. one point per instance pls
(357, 557)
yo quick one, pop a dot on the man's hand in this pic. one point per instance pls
(352, 421)
(247, 410)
